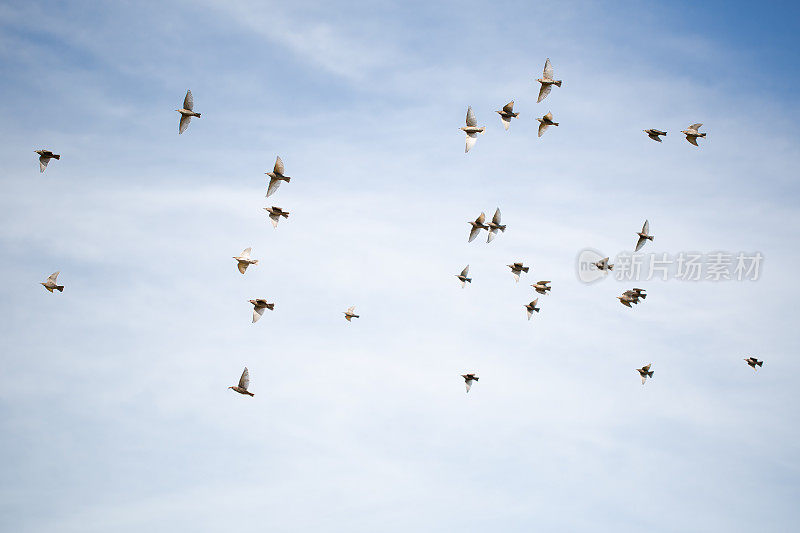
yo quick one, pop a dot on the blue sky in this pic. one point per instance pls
(114, 412)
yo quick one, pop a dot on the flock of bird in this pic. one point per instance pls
(507, 113)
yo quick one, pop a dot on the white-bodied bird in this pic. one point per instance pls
(187, 112)
(245, 261)
(692, 133)
(547, 81)
(472, 129)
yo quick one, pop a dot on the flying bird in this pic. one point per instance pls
(753, 362)
(472, 130)
(187, 112)
(44, 157)
(276, 177)
(627, 300)
(547, 82)
(275, 214)
(692, 134)
(259, 304)
(644, 236)
(603, 265)
(507, 113)
(245, 261)
(350, 313)
(517, 269)
(468, 379)
(244, 382)
(636, 294)
(655, 134)
(545, 122)
(463, 277)
(541, 287)
(531, 307)
(645, 372)
(477, 226)
(50, 283)
(495, 225)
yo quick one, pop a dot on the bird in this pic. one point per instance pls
(244, 260)
(627, 300)
(51, 283)
(636, 294)
(463, 277)
(692, 134)
(603, 265)
(275, 214)
(517, 269)
(541, 287)
(276, 176)
(477, 226)
(545, 122)
(259, 304)
(495, 225)
(244, 382)
(753, 362)
(531, 307)
(507, 113)
(468, 379)
(44, 157)
(644, 236)
(350, 313)
(645, 372)
(654, 134)
(187, 112)
(472, 130)
(547, 81)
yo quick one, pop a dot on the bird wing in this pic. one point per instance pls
(274, 219)
(274, 183)
(533, 303)
(481, 218)
(640, 243)
(695, 126)
(544, 91)
(492, 234)
(472, 138)
(654, 136)
(465, 272)
(474, 233)
(506, 121)
(548, 70)
(257, 312)
(43, 162)
(692, 139)
(278, 166)
(530, 312)
(246, 253)
(542, 128)
(496, 217)
(471, 120)
(242, 266)
(244, 381)
(548, 116)
(468, 383)
(52, 277)
(646, 227)
(509, 107)
(516, 274)
(646, 367)
(188, 101)
(351, 309)
(644, 378)
(184, 123)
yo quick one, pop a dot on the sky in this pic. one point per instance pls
(114, 411)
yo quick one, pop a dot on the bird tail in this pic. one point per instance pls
(525, 269)
(287, 178)
(285, 215)
(476, 378)
(60, 288)
(197, 115)
(701, 135)
(502, 228)
(271, 307)
(468, 280)
(650, 237)
(650, 374)
(250, 393)
(536, 309)
(760, 363)
(642, 296)
(56, 156)
(611, 267)
(255, 262)
(555, 123)
(557, 83)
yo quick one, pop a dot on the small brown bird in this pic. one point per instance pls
(692, 133)
(259, 304)
(541, 287)
(547, 82)
(517, 269)
(244, 382)
(645, 372)
(495, 225)
(753, 362)
(531, 307)
(463, 277)
(468, 379)
(603, 264)
(644, 236)
(275, 214)
(187, 112)
(635, 295)
(477, 226)
(654, 134)
(276, 176)
(350, 313)
(545, 122)
(472, 129)
(507, 113)
(50, 283)
(245, 261)
(44, 157)
(626, 300)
